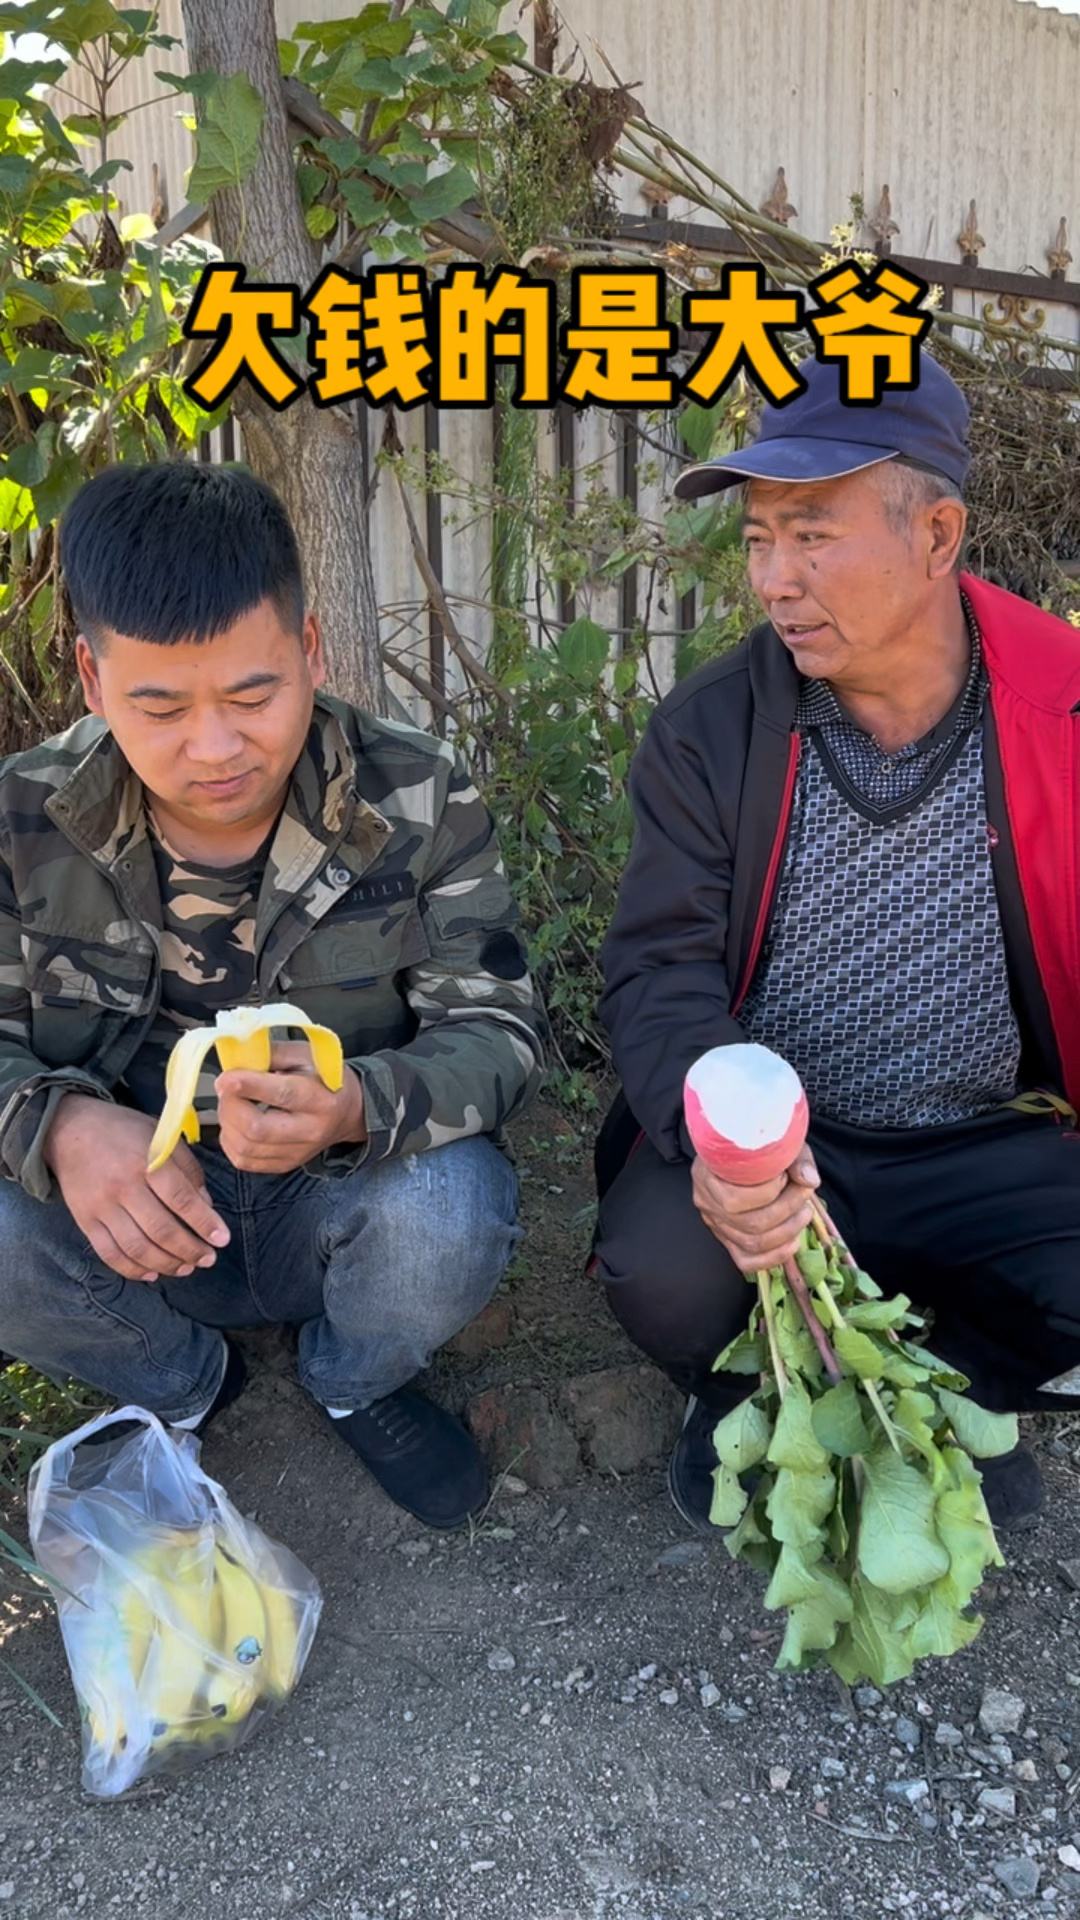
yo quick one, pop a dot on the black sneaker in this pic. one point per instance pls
(422, 1458)
(692, 1464)
(1013, 1490)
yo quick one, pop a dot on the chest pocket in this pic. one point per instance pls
(67, 970)
(85, 994)
(351, 951)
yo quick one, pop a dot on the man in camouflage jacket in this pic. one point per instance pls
(218, 833)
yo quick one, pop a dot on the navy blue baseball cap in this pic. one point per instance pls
(816, 437)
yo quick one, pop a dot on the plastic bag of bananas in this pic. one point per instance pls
(183, 1624)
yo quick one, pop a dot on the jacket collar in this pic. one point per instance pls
(1032, 652)
(100, 805)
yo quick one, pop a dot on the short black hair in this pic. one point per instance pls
(177, 551)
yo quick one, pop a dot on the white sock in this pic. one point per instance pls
(340, 1413)
(195, 1419)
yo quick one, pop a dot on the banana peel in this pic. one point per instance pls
(242, 1038)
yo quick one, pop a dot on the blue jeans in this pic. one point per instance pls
(378, 1269)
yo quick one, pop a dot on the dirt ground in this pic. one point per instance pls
(513, 1725)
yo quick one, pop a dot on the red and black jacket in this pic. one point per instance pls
(711, 786)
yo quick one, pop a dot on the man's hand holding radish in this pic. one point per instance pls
(759, 1225)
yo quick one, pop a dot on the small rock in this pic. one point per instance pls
(865, 1697)
(481, 1866)
(1018, 1875)
(624, 1417)
(733, 1712)
(647, 1673)
(7, 1889)
(501, 1660)
(947, 1735)
(511, 1484)
(780, 1778)
(1070, 1857)
(682, 1554)
(670, 1697)
(908, 1734)
(908, 1791)
(831, 1769)
(414, 1549)
(1001, 1800)
(1026, 1770)
(1001, 1712)
(710, 1695)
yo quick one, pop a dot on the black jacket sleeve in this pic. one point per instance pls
(667, 996)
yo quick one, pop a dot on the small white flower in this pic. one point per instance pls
(842, 235)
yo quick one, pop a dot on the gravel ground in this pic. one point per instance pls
(571, 1715)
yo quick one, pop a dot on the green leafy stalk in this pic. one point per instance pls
(865, 1509)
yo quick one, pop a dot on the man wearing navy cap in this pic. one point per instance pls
(857, 842)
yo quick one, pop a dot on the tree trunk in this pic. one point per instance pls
(310, 455)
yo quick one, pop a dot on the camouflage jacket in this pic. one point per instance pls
(384, 913)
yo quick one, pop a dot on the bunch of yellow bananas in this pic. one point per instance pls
(220, 1643)
(242, 1038)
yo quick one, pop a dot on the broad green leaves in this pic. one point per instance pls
(227, 141)
(981, 1433)
(898, 1544)
(867, 1513)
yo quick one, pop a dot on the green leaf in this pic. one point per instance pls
(858, 1353)
(982, 1433)
(16, 505)
(365, 207)
(838, 1422)
(964, 1527)
(939, 1628)
(749, 1542)
(813, 1265)
(794, 1443)
(137, 226)
(814, 1621)
(18, 78)
(698, 426)
(744, 1354)
(729, 1499)
(16, 173)
(797, 1505)
(939, 1371)
(227, 139)
(875, 1646)
(795, 1576)
(913, 1414)
(583, 651)
(741, 1438)
(866, 1286)
(444, 193)
(320, 221)
(876, 1315)
(899, 1549)
(28, 464)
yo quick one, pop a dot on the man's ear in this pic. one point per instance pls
(88, 674)
(946, 522)
(311, 641)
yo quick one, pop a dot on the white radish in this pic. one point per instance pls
(746, 1113)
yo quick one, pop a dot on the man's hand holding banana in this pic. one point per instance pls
(276, 1121)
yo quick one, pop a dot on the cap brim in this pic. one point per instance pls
(793, 462)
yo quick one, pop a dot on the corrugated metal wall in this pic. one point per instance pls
(945, 100)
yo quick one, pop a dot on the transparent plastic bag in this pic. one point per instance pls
(183, 1624)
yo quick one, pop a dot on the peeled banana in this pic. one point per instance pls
(242, 1038)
